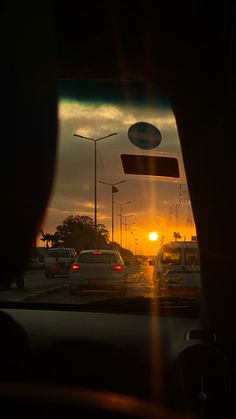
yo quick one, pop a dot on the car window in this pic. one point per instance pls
(120, 185)
(171, 255)
(192, 256)
(97, 257)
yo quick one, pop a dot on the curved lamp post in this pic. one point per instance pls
(95, 140)
(126, 225)
(121, 204)
(113, 190)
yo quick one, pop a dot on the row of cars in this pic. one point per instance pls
(176, 268)
(91, 269)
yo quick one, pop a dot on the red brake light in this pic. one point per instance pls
(97, 253)
(75, 267)
(117, 267)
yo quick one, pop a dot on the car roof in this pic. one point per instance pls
(99, 250)
(60, 248)
(181, 245)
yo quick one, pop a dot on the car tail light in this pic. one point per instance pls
(118, 267)
(97, 253)
(75, 267)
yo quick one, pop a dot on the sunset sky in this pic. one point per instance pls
(99, 109)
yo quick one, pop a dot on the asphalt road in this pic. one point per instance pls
(38, 288)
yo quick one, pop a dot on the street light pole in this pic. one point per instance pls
(95, 170)
(121, 206)
(128, 228)
(95, 187)
(113, 190)
(126, 217)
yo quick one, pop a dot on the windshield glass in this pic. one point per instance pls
(192, 256)
(119, 185)
(171, 255)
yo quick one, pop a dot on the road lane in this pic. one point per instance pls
(38, 288)
(35, 284)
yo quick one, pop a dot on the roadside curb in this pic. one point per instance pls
(43, 293)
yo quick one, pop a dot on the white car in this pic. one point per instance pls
(58, 260)
(98, 270)
(177, 269)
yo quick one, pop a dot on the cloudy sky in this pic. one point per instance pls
(99, 109)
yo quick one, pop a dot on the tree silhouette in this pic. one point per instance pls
(78, 231)
(125, 253)
(47, 238)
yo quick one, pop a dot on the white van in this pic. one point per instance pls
(58, 261)
(177, 269)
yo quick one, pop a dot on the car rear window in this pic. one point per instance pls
(192, 256)
(171, 255)
(61, 254)
(97, 258)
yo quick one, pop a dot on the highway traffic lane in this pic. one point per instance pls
(40, 288)
(65, 296)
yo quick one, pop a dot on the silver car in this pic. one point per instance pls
(101, 270)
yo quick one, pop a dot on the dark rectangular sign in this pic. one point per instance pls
(162, 166)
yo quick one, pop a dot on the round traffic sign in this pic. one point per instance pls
(144, 135)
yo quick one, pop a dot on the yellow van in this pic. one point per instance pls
(58, 261)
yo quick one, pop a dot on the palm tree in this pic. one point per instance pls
(46, 238)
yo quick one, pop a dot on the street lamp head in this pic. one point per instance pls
(106, 136)
(105, 183)
(95, 139)
(110, 135)
(127, 216)
(81, 136)
(123, 203)
(112, 184)
(122, 181)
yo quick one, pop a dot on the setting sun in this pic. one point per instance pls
(153, 236)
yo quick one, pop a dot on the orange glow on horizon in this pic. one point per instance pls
(138, 240)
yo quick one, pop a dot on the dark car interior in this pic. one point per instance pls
(92, 363)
